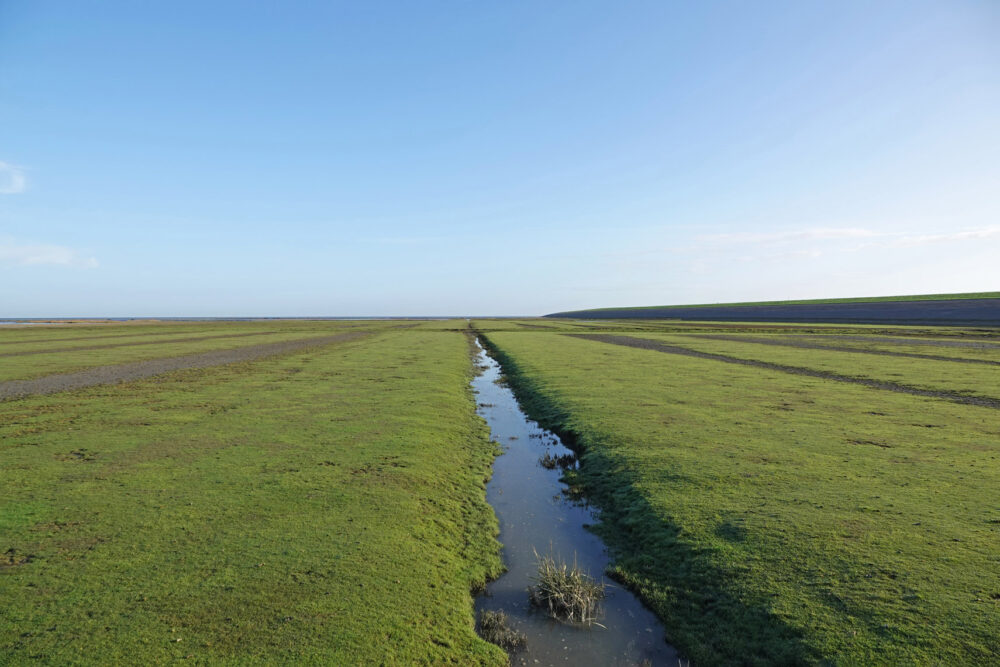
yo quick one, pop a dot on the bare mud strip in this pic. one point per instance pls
(32, 341)
(646, 344)
(163, 341)
(841, 348)
(536, 516)
(534, 326)
(943, 342)
(135, 371)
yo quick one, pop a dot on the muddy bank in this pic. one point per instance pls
(134, 371)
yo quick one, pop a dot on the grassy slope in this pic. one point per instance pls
(859, 299)
(325, 507)
(770, 518)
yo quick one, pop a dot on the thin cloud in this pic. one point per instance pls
(966, 235)
(868, 238)
(811, 234)
(782, 256)
(12, 179)
(37, 254)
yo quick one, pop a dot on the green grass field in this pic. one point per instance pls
(22, 358)
(771, 518)
(327, 506)
(971, 379)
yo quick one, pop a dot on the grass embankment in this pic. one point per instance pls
(793, 302)
(325, 507)
(709, 327)
(770, 518)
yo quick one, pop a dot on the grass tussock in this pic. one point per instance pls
(494, 628)
(565, 592)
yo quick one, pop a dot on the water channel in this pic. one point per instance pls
(536, 517)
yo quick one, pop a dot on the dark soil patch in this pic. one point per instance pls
(77, 455)
(13, 558)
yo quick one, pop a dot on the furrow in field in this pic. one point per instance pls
(647, 344)
(71, 339)
(161, 341)
(842, 348)
(973, 344)
(133, 371)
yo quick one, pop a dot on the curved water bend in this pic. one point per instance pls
(535, 516)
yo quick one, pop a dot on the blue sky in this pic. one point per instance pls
(406, 158)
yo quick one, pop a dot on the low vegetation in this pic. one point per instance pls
(322, 507)
(494, 627)
(327, 506)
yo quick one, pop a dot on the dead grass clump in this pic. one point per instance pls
(566, 592)
(494, 628)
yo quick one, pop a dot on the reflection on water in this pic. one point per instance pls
(535, 516)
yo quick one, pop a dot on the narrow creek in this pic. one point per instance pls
(536, 517)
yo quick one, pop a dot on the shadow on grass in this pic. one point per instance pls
(707, 615)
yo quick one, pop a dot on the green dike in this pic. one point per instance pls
(325, 507)
(778, 519)
(855, 299)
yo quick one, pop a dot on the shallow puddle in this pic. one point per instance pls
(536, 517)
